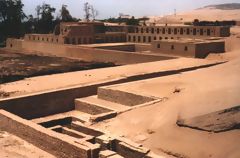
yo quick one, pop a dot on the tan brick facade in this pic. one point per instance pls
(97, 32)
(148, 34)
(189, 47)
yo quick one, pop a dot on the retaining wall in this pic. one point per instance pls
(47, 103)
(46, 140)
(80, 52)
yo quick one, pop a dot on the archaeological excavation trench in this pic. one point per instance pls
(58, 121)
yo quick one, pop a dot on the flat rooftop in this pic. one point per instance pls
(105, 44)
(112, 44)
(193, 41)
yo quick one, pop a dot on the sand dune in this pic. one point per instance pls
(209, 14)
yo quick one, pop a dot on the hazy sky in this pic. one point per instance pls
(112, 8)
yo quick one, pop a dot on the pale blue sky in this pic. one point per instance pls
(136, 8)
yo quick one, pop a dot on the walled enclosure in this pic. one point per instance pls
(67, 39)
(81, 52)
(61, 100)
(57, 144)
(189, 48)
(97, 32)
(69, 139)
(69, 135)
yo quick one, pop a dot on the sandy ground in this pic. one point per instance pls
(58, 81)
(71, 79)
(14, 147)
(155, 126)
(202, 14)
(201, 92)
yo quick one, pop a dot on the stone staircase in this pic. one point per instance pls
(94, 105)
(107, 104)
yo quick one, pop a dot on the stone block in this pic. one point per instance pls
(130, 150)
(106, 142)
(106, 153)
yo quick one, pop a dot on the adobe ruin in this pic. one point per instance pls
(87, 33)
(59, 118)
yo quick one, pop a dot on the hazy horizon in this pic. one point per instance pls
(112, 8)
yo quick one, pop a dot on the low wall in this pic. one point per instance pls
(131, 47)
(127, 48)
(14, 44)
(202, 50)
(47, 103)
(62, 100)
(142, 47)
(87, 54)
(53, 102)
(50, 38)
(46, 140)
(165, 47)
(188, 49)
(122, 97)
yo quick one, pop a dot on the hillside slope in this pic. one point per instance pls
(209, 13)
(226, 6)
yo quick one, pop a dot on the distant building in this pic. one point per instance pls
(147, 34)
(197, 48)
(124, 16)
(169, 40)
(97, 32)
(81, 33)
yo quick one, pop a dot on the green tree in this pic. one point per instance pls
(11, 16)
(65, 14)
(29, 25)
(86, 10)
(45, 23)
(94, 12)
(132, 21)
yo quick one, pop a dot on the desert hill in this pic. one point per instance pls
(219, 12)
(226, 6)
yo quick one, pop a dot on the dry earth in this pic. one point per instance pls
(14, 147)
(201, 92)
(15, 66)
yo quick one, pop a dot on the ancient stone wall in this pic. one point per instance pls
(14, 44)
(202, 50)
(127, 48)
(84, 53)
(111, 37)
(188, 48)
(173, 48)
(57, 144)
(148, 34)
(47, 38)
